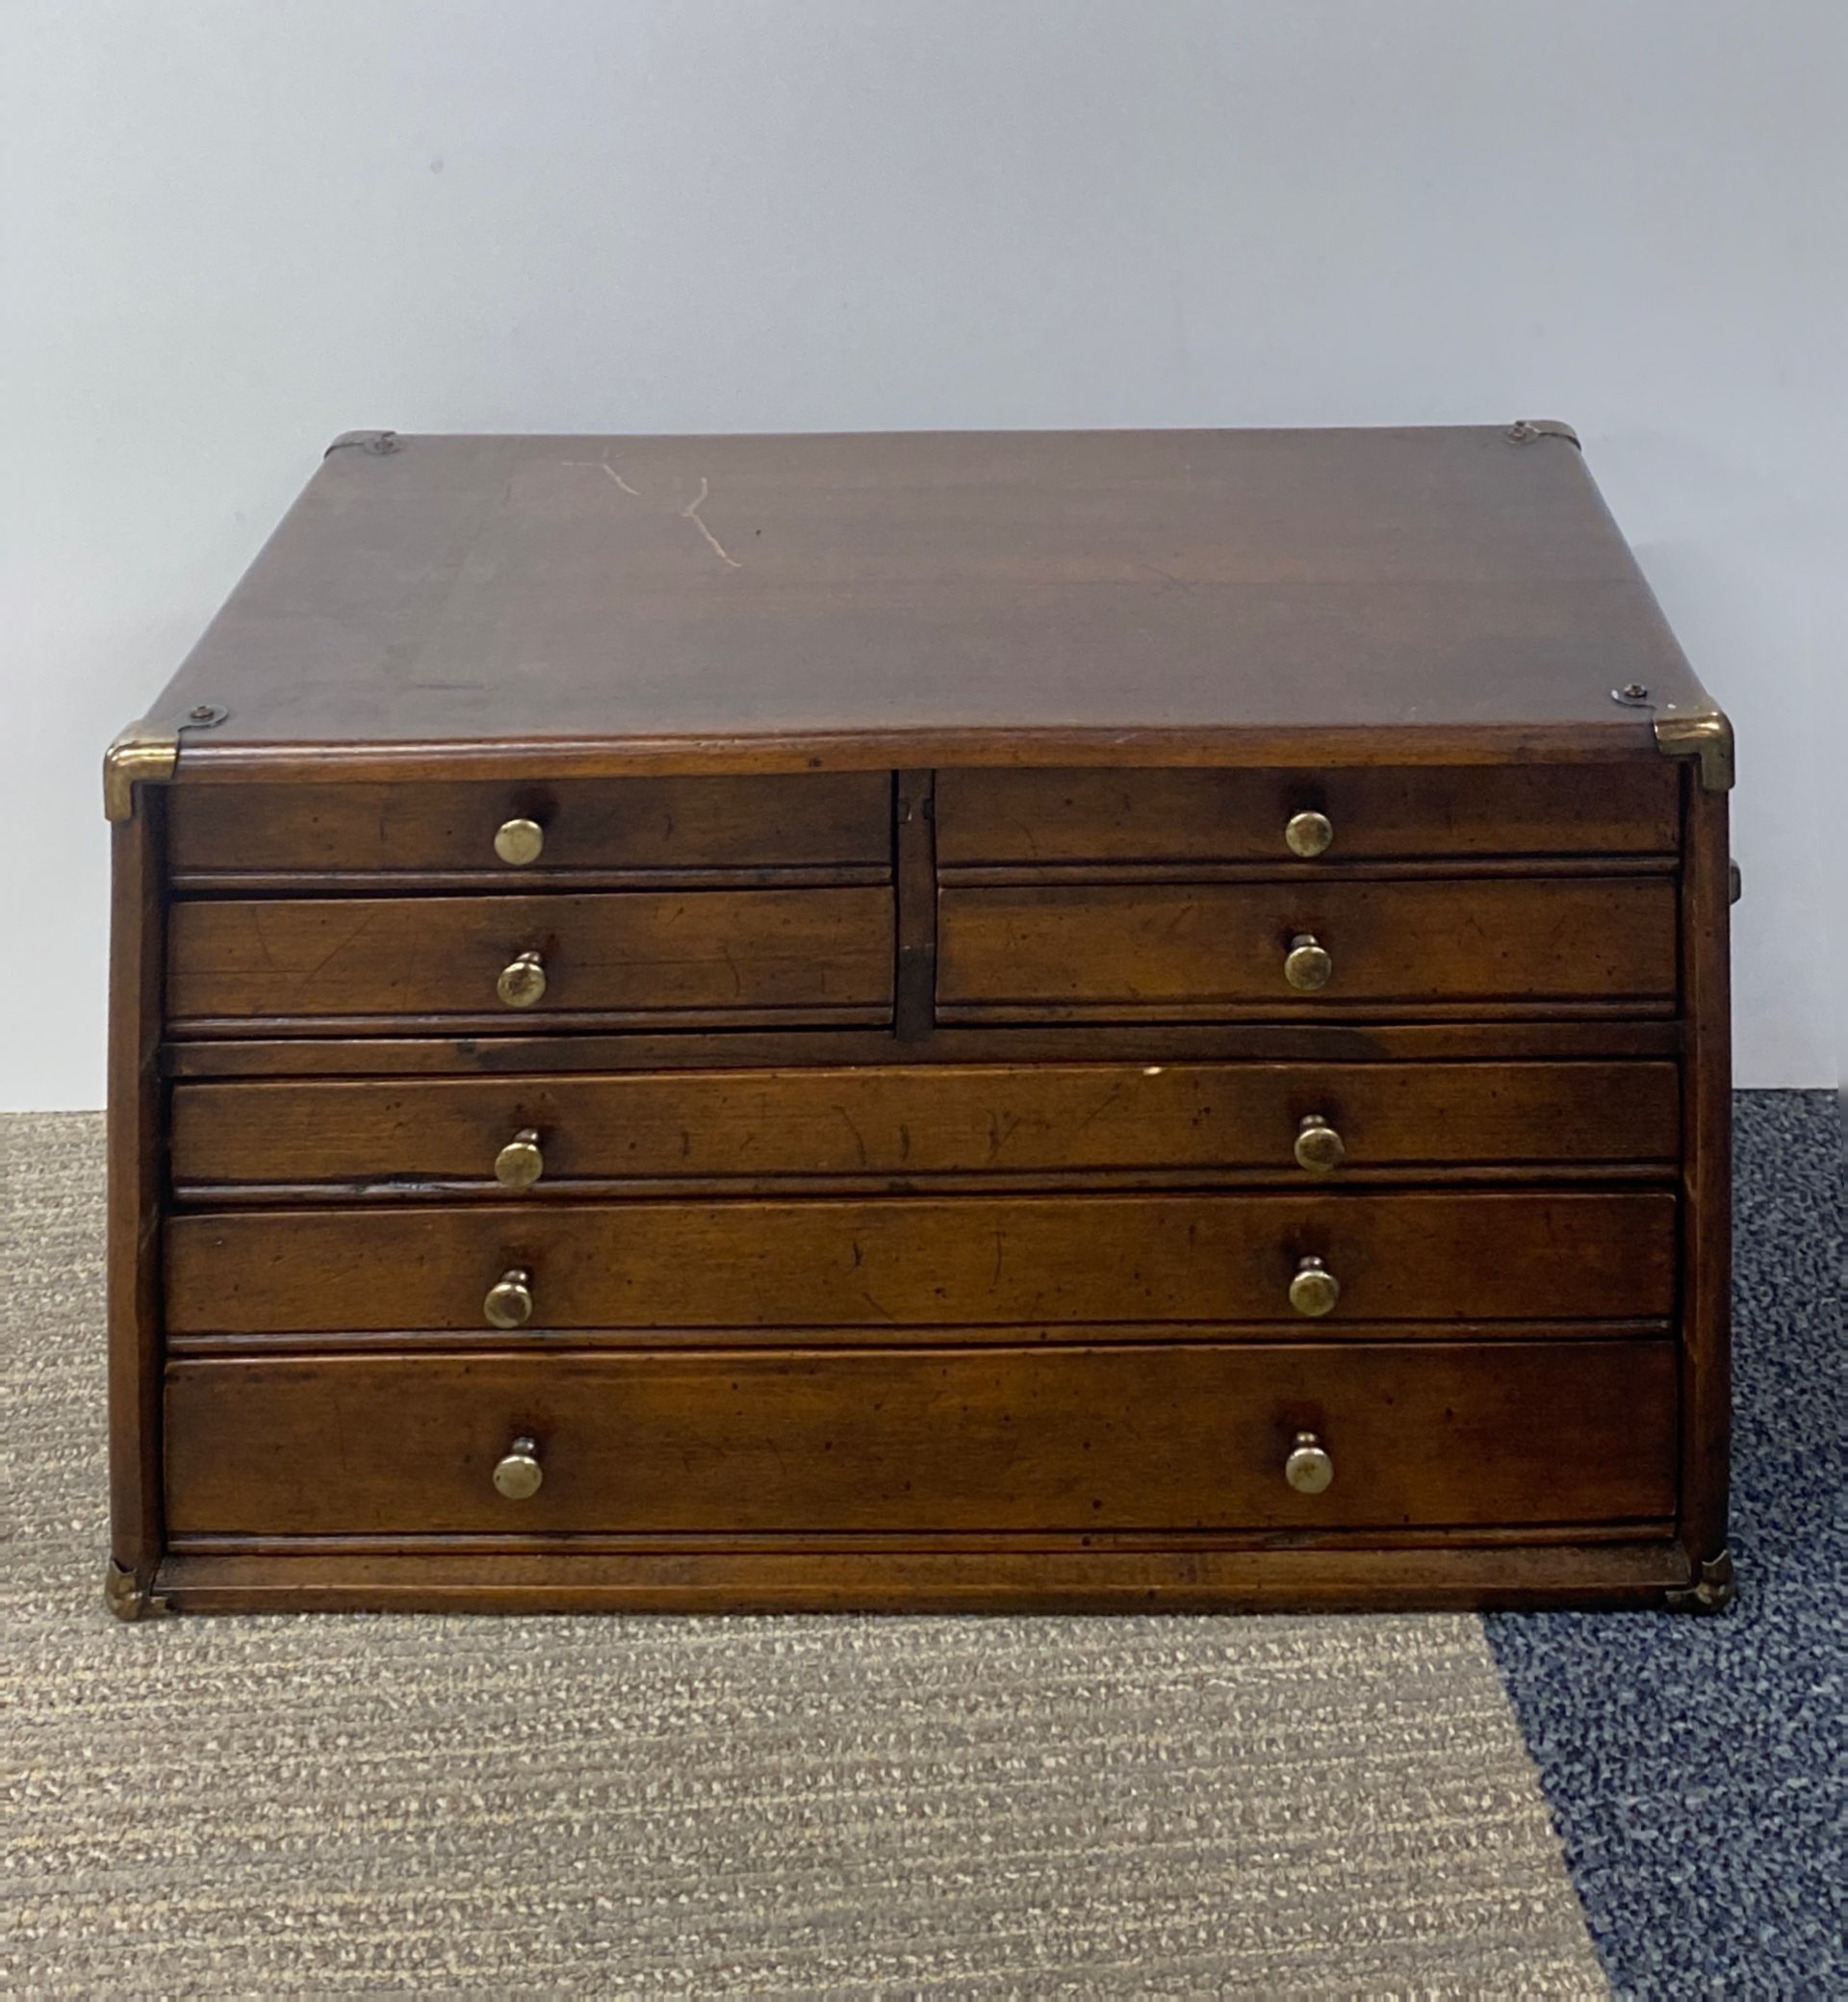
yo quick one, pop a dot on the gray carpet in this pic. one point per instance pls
(647, 1807)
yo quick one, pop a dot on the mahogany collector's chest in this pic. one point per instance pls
(1119, 1019)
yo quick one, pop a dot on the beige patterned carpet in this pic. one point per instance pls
(648, 1807)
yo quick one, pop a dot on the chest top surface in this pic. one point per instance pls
(1195, 589)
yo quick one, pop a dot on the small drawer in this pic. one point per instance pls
(821, 821)
(1022, 820)
(1188, 1437)
(523, 963)
(922, 1262)
(388, 1137)
(1207, 951)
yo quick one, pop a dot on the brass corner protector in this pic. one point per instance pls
(129, 1596)
(1699, 731)
(1527, 429)
(141, 756)
(1712, 1591)
(379, 444)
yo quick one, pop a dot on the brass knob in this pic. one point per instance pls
(518, 1473)
(520, 841)
(522, 983)
(1306, 966)
(1318, 1146)
(519, 1163)
(1308, 834)
(1308, 1468)
(1315, 1289)
(509, 1301)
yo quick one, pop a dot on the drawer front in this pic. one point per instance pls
(1188, 1437)
(1198, 951)
(823, 954)
(819, 820)
(1033, 819)
(386, 1136)
(903, 1261)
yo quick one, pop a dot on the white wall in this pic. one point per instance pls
(234, 228)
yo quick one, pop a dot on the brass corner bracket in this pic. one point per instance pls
(128, 1597)
(1525, 430)
(1712, 1591)
(1699, 731)
(149, 753)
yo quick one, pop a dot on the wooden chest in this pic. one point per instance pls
(1120, 1020)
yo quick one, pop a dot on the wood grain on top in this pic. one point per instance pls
(1188, 591)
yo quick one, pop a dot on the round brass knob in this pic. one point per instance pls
(1315, 1289)
(1306, 966)
(509, 1301)
(519, 1163)
(1308, 1468)
(1318, 1146)
(1308, 834)
(520, 841)
(518, 1473)
(522, 983)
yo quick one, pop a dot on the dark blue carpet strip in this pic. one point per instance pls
(1698, 1767)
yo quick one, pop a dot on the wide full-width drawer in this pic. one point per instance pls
(1028, 819)
(1205, 950)
(1186, 1437)
(817, 821)
(389, 1136)
(914, 1261)
(528, 962)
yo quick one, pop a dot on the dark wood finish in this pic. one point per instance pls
(1185, 1438)
(1037, 817)
(714, 953)
(820, 822)
(136, 928)
(900, 1261)
(388, 1140)
(916, 1074)
(1199, 949)
(1707, 1243)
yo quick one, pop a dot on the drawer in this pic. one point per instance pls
(815, 821)
(1202, 951)
(1028, 819)
(389, 1136)
(911, 1262)
(816, 955)
(1187, 1437)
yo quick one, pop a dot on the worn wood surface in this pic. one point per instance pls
(387, 1139)
(1187, 1437)
(902, 1260)
(1198, 948)
(711, 952)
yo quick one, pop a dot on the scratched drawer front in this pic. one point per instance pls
(823, 954)
(809, 821)
(905, 1260)
(386, 1136)
(1179, 1438)
(1202, 951)
(1026, 819)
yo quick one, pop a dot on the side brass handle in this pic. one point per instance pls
(509, 1301)
(1308, 834)
(1307, 965)
(523, 982)
(1308, 1470)
(1314, 1289)
(519, 1163)
(520, 842)
(518, 1473)
(1318, 1146)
